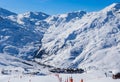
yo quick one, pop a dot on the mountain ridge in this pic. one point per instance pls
(4, 12)
(76, 44)
(75, 39)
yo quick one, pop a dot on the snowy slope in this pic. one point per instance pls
(93, 41)
(14, 66)
(10, 61)
(20, 35)
(60, 21)
(89, 77)
(16, 40)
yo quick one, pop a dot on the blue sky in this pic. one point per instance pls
(55, 6)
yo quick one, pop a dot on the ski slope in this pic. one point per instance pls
(54, 78)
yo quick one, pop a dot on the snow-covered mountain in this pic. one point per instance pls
(91, 41)
(29, 18)
(76, 39)
(20, 35)
(57, 20)
(4, 12)
(15, 39)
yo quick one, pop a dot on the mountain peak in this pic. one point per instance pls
(4, 12)
(75, 13)
(71, 15)
(36, 15)
(114, 7)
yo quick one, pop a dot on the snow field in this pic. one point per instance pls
(25, 78)
(87, 77)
